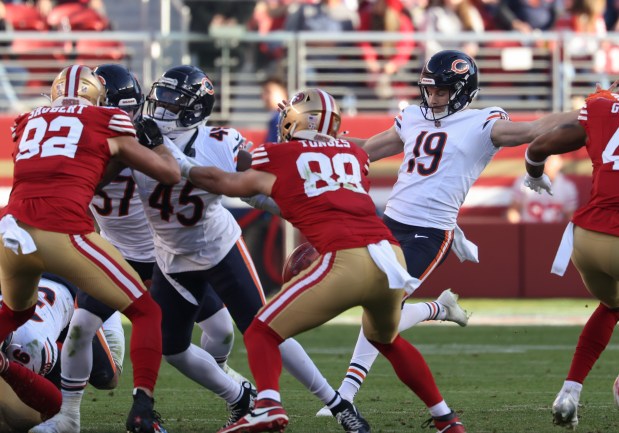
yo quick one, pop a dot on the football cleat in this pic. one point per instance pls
(59, 423)
(350, 418)
(267, 416)
(565, 409)
(242, 407)
(325, 411)
(235, 375)
(455, 313)
(449, 423)
(142, 418)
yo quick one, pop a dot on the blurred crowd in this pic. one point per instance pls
(446, 17)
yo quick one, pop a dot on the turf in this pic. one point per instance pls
(500, 379)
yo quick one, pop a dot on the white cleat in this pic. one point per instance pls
(59, 423)
(565, 409)
(455, 313)
(325, 411)
(235, 375)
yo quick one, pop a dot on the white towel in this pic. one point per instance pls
(383, 255)
(14, 237)
(463, 248)
(562, 258)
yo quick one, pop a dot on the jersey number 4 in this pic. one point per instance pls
(32, 143)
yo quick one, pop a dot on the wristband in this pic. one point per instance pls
(533, 163)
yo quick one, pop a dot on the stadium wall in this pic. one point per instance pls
(515, 259)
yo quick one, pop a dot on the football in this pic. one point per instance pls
(298, 260)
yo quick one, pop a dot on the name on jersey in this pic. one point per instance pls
(75, 109)
(334, 143)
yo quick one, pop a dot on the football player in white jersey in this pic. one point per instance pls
(446, 146)
(33, 350)
(198, 241)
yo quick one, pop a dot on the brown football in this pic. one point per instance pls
(298, 260)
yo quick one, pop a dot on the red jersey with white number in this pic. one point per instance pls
(600, 118)
(321, 189)
(60, 155)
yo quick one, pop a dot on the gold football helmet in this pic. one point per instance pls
(311, 109)
(78, 81)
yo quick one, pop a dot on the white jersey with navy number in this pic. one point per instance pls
(119, 213)
(192, 229)
(34, 343)
(441, 163)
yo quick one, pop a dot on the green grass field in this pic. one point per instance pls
(499, 378)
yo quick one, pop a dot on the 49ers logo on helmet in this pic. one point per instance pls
(460, 66)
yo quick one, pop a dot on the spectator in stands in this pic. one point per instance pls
(385, 16)
(528, 206)
(321, 16)
(525, 16)
(268, 16)
(452, 17)
(273, 92)
(218, 14)
(611, 15)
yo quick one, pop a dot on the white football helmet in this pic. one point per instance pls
(76, 82)
(309, 110)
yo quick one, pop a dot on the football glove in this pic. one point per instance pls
(147, 132)
(538, 184)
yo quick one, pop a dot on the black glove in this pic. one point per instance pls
(147, 132)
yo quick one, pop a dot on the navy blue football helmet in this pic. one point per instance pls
(123, 89)
(454, 70)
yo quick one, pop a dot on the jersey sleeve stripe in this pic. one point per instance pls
(259, 161)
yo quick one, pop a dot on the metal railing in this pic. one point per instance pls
(540, 72)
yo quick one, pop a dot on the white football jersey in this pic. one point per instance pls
(192, 230)
(440, 164)
(119, 213)
(34, 343)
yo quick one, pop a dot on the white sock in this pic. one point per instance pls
(362, 359)
(71, 401)
(76, 355)
(573, 387)
(218, 336)
(439, 409)
(115, 339)
(413, 314)
(201, 367)
(365, 353)
(299, 364)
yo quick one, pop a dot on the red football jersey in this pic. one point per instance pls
(321, 189)
(600, 118)
(60, 155)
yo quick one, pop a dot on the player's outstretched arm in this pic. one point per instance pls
(245, 184)
(509, 134)
(565, 138)
(156, 162)
(382, 145)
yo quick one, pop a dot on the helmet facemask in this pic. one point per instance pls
(182, 99)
